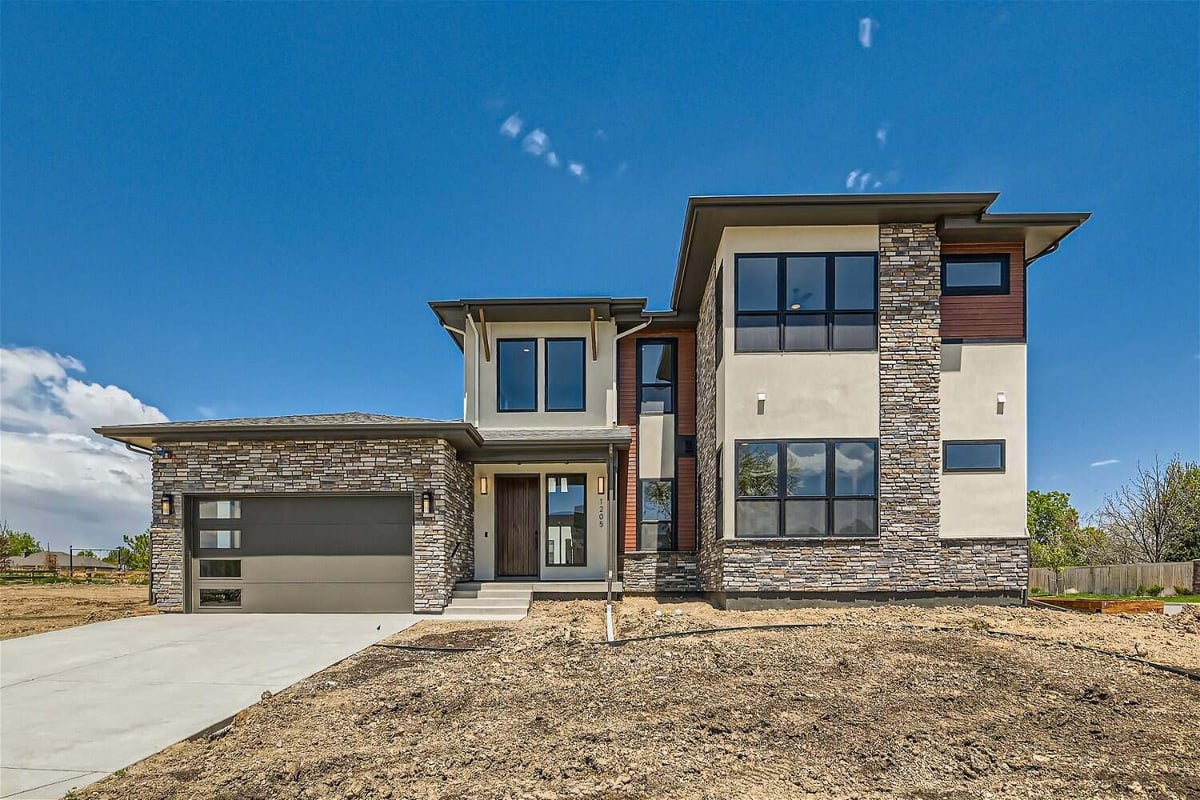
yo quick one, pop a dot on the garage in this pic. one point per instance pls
(300, 553)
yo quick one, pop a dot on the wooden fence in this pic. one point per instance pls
(1117, 578)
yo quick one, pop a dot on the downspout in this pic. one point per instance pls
(612, 540)
(141, 451)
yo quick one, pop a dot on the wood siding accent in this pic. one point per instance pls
(518, 503)
(685, 419)
(988, 316)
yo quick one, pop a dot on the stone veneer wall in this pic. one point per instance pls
(282, 466)
(666, 572)
(909, 555)
(709, 549)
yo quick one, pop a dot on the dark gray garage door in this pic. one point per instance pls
(312, 553)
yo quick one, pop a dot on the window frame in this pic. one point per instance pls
(782, 313)
(203, 561)
(500, 367)
(674, 383)
(1005, 286)
(546, 494)
(546, 375)
(830, 495)
(673, 522)
(719, 320)
(947, 470)
(719, 505)
(204, 589)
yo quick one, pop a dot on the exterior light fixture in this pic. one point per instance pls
(426, 502)
(600, 485)
(762, 396)
(1000, 400)
(483, 484)
(168, 505)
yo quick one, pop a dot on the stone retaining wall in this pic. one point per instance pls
(649, 573)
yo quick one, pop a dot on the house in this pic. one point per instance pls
(56, 559)
(832, 408)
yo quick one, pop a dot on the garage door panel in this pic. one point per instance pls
(309, 598)
(327, 569)
(328, 539)
(326, 510)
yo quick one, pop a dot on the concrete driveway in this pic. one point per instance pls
(78, 704)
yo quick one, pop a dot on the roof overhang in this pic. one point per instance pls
(462, 435)
(707, 218)
(452, 314)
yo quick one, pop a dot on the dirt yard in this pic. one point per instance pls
(869, 707)
(26, 609)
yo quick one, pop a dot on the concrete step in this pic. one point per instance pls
(511, 603)
(496, 593)
(454, 612)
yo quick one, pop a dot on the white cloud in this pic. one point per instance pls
(600, 135)
(624, 165)
(512, 126)
(536, 142)
(876, 184)
(851, 178)
(577, 169)
(552, 158)
(1106, 462)
(881, 134)
(858, 180)
(866, 31)
(58, 480)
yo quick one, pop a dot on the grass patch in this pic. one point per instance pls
(1178, 598)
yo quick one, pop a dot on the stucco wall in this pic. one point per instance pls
(599, 526)
(242, 468)
(985, 504)
(599, 375)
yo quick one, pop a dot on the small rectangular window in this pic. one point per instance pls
(220, 598)
(220, 540)
(220, 568)
(220, 509)
(656, 376)
(516, 374)
(975, 274)
(656, 515)
(565, 375)
(973, 456)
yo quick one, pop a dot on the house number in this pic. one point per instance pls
(601, 517)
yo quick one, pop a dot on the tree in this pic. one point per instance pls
(85, 553)
(1049, 516)
(135, 553)
(1183, 479)
(18, 543)
(1150, 516)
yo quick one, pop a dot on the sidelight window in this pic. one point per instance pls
(566, 520)
(656, 514)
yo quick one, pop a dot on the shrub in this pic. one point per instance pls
(1183, 590)
(1149, 591)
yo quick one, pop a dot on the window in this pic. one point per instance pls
(516, 374)
(719, 301)
(656, 376)
(220, 568)
(229, 598)
(806, 489)
(805, 302)
(220, 540)
(565, 375)
(975, 274)
(720, 502)
(566, 520)
(978, 456)
(220, 509)
(656, 514)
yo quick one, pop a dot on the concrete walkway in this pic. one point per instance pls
(78, 704)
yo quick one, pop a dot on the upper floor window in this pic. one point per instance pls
(656, 376)
(982, 455)
(975, 274)
(516, 371)
(719, 344)
(565, 375)
(808, 302)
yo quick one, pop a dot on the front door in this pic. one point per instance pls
(517, 525)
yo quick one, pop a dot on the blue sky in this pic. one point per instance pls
(236, 209)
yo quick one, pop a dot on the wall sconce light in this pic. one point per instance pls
(762, 402)
(426, 502)
(1000, 401)
(483, 484)
(168, 505)
(600, 485)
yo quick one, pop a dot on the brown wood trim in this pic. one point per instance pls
(487, 347)
(595, 346)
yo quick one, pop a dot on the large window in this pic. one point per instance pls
(805, 302)
(973, 456)
(565, 374)
(656, 376)
(720, 501)
(656, 514)
(975, 274)
(516, 370)
(566, 520)
(806, 489)
(719, 344)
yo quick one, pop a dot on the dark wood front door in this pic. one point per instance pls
(517, 526)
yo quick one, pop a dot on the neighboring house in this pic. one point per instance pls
(833, 407)
(41, 560)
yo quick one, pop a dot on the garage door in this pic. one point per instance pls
(301, 554)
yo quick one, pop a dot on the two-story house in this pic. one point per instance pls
(833, 407)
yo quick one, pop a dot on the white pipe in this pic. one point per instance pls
(608, 621)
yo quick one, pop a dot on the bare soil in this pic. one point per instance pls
(873, 703)
(27, 609)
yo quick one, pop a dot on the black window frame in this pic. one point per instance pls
(210, 561)
(673, 522)
(546, 494)
(500, 368)
(546, 375)
(1005, 286)
(976, 470)
(674, 382)
(719, 321)
(219, 590)
(781, 313)
(830, 496)
(719, 505)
